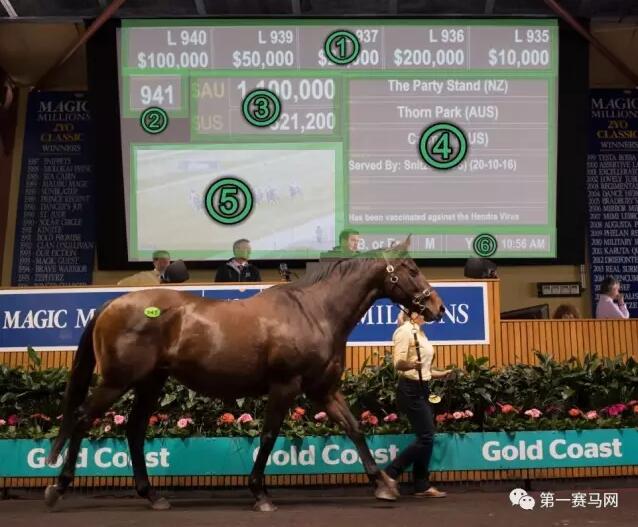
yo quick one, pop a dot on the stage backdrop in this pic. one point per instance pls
(53, 319)
(612, 187)
(55, 225)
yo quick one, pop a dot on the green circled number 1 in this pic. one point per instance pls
(342, 44)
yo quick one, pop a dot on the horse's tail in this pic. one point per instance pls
(77, 387)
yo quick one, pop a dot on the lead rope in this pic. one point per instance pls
(418, 356)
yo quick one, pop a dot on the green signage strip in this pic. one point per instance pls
(331, 455)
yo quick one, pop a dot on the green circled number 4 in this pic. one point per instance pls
(442, 146)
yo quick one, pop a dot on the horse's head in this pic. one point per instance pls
(405, 284)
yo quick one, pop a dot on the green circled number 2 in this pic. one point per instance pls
(228, 202)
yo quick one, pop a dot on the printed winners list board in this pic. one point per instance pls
(344, 151)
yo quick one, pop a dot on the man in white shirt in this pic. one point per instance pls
(611, 303)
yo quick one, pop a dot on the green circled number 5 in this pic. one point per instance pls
(228, 202)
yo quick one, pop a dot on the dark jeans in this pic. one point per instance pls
(414, 404)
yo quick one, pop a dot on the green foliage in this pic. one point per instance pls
(476, 397)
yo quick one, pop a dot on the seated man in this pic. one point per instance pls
(161, 260)
(238, 268)
(349, 241)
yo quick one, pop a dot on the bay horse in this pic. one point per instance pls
(288, 339)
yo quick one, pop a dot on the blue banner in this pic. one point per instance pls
(55, 226)
(612, 189)
(53, 319)
(234, 456)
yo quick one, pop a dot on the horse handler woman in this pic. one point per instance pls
(412, 399)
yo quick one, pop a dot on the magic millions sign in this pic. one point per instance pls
(53, 319)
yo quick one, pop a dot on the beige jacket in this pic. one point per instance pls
(405, 349)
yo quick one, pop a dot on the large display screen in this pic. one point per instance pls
(286, 132)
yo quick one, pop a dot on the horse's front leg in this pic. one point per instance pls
(280, 398)
(337, 409)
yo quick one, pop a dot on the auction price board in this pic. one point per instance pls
(442, 128)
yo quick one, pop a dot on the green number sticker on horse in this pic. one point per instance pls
(152, 312)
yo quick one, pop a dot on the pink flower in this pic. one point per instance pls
(299, 410)
(2, 422)
(184, 422)
(490, 410)
(297, 417)
(244, 418)
(107, 428)
(441, 418)
(59, 417)
(632, 403)
(534, 413)
(507, 408)
(369, 418)
(458, 415)
(321, 416)
(469, 413)
(96, 422)
(574, 412)
(119, 419)
(391, 418)
(226, 419)
(153, 420)
(13, 420)
(591, 415)
(616, 409)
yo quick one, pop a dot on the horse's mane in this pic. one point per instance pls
(338, 266)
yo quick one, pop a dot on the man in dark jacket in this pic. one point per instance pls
(238, 269)
(349, 240)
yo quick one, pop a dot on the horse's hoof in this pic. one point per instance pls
(385, 494)
(51, 496)
(391, 484)
(264, 506)
(160, 504)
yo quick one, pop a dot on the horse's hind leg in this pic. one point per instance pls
(147, 393)
(280, 398)
(337, 409)
(97, 403)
